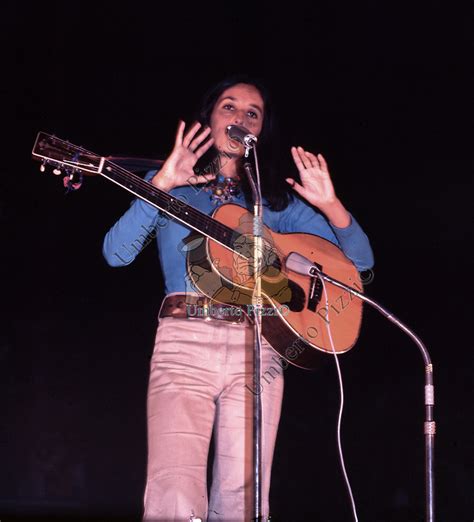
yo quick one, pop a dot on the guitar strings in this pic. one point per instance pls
(206, 223)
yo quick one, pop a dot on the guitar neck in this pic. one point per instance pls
(52, 150)
(172, 206)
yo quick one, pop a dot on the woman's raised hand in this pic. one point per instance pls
(316, 186)
(177, 170)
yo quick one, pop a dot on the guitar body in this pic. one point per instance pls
(295, 318)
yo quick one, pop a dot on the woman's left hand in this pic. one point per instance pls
(316, 186)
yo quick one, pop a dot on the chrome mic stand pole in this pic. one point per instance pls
(257, 316)
(302, 265)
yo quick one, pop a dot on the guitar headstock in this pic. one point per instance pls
(65, 157)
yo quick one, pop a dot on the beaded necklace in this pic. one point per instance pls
(223, 189)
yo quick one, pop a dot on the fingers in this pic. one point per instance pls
(306, 160)
(191, 134)
(295, 185)
(314, 161)
(179, 133)
(322, 162)
(299, 157)
(204, 147)
(199, 138)
(192, 140)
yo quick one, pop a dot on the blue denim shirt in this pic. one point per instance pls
(142, 222)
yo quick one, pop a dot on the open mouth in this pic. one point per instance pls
(234, 144)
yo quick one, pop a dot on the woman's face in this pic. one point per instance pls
(242, 104)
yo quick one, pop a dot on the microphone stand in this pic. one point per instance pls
(257, 304)
(302, 265)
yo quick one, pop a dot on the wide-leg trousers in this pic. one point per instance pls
(201, 382)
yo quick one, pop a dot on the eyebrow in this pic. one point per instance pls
(233, 98)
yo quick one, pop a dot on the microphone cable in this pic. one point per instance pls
(341, 407)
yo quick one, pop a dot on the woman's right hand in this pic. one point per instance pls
(177, 170)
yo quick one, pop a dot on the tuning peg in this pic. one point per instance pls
(57, 171)
(42, 167)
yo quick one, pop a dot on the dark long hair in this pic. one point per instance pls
(274, 187)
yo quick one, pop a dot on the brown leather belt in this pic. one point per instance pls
(200, 307)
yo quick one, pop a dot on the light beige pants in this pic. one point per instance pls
(201, 379)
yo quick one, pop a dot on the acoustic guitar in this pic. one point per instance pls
(295, 313)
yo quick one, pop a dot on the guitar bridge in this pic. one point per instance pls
(315, 291)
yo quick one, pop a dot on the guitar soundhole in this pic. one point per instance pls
(298, 298)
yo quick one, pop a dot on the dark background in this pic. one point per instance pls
(382, 92)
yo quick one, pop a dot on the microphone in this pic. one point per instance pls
(301, 265)
(242, 135)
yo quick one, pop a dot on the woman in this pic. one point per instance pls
(201, 368)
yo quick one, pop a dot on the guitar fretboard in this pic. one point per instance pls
(169, 204)
(53, 150)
